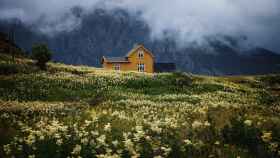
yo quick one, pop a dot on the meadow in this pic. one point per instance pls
(79, 111)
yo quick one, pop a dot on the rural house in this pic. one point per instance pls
(138, 59)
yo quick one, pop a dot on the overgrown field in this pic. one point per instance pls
(71, 111)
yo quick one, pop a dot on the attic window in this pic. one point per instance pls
(140, 54)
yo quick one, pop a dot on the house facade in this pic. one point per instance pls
(138, 59)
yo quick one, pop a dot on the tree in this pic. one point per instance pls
(42, 54)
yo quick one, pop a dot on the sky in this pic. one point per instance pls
(188, 20)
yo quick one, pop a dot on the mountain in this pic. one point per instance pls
(113, 33)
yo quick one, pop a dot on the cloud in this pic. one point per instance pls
(188, 20)
(193, 20)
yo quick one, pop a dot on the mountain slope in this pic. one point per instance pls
(83, 111)
(113, 33)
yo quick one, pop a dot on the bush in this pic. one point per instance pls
(271, 80)
(246, 137)
(42, 54)
(266, 98)
(8, 69)
(181, 79)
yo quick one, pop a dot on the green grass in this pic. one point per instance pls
(82, 111)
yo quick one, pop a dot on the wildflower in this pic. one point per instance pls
(217, 143)
(273, 146)
(115, 143)
(87, 123)
(19, 147)
(77, 149)
(42, 137)
(30, 139)
(101, 139)
(188, 142)
(7, 149)
(139, 133)
(248, 122)
(155, 128)
(129, 145)
(107, 127)
(94, 133)
(31, 156)
(166, 150)
(84, 141)
(59, 142)
(147, 138)
(267, 136)
(196, 124)
(57, 135)
(207, 124)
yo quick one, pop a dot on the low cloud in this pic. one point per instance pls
(187, 20)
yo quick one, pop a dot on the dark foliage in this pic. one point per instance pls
(8, 69)
(42, 54)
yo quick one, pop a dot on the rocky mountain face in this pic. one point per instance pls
(113, 33)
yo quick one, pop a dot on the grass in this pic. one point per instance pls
(83, 111)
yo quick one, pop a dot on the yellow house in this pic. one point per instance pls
(138, 59)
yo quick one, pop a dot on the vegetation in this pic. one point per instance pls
(70, 111)
(42, 54)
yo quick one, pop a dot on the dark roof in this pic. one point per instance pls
(165, 67)
(117, 59)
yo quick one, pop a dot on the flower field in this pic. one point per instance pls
(71, 111)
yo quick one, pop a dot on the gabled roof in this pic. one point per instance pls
(137, 47)
(125, 59)
(116, 59)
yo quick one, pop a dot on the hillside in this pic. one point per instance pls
(83, 111)
(113, 33)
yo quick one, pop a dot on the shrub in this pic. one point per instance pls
(42, 54)
(266, 98)
(181, 79)
(7, 69)
(97, 98)
(245, 135)
(271, 80)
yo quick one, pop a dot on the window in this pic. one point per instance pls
(141, 67)
(117, 67)
(140, 54)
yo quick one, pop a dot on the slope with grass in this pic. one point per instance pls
(72, 111)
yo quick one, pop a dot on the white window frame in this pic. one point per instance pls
(141, 54)
(141, 67)
(117, 67)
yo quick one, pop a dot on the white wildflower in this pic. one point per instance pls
(188, 142)
(107, 127)
(77, 149)
(31, 156)
(84, 141)
(59, 142)
(267, 136)
(196, 124)
(248, 122)
(115, 142)
(217, 143)
(207, 124)
(101, 139)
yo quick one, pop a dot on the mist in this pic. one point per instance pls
(185, 20)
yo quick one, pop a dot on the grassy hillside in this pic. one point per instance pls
(81, 111)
